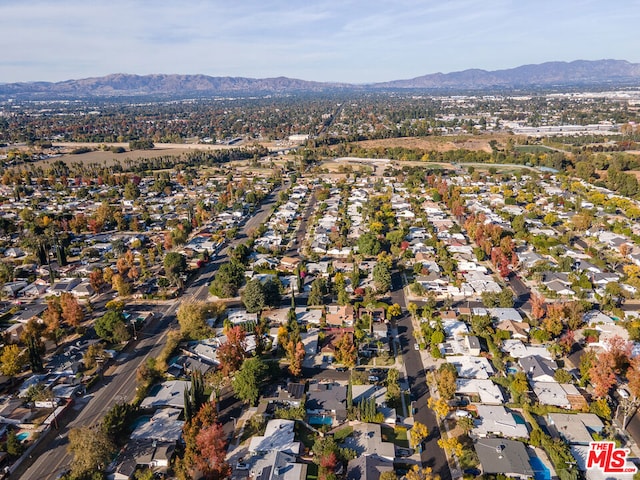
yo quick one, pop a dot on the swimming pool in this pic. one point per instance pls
(519, 420)
(24, 435)
(540, 470)
(320, 420)
(140, 421)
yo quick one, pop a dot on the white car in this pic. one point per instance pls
(416, 346)
(462, 414)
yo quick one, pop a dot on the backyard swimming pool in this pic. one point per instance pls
(22, 436)
(540, 470)
(320, 420)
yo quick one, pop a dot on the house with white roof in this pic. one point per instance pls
(278, 437)
(497, 420)
(486, 390)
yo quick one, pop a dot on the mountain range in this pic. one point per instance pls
(580, 73)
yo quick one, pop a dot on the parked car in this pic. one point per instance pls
(242, 466)
(373, 378)
(416, 346)
(341, 369)
(462, 413)
(404, 452)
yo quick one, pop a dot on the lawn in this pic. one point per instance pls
(341, 434)
(397, 435)
(533, 148)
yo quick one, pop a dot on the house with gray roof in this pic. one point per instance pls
(368, 467)
(327, 399)
(366, 440)
(278, 465)
(505, 457)
(574, 428)
(538, 368)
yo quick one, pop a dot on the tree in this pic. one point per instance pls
(381, 277)
(418, 434)
(175, 264)
(205, 445)
(117, 421)
(295, 354)
(94, 352)
(11, 360)
(247, 380)
(447, 384)
(227, 280)
(91, 449)
(110, 327)
(212, 447)
(413, 309)
(465, 423)
(439, 406)
(346, 352)
(192, 318)
(418, 473)
(369, 245)
(537, 306)
(120, 285)
(394, 310)
(15, 448)
(451, 445)
(317, 292)
(72, 312)
(602, 376)
(232, 353)
(388, 476)
(253, 296)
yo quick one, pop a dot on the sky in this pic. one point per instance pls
(354, 41)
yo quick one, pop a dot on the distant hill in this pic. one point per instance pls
(545, 75)
(580, 72)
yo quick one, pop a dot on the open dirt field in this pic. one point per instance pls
(440, 144)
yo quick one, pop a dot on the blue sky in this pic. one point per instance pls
(357, 41)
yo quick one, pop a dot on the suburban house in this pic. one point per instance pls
(277, 465)
(327, 400)
(575, 428)
(278, 437)
(504, 457)
(497, 420)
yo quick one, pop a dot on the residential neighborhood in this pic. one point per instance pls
(257, 314)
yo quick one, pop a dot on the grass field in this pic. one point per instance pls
(533, 149)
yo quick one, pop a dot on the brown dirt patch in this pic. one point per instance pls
(440, 144)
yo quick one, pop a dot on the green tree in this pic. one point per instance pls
(317, 292)
(175, 264)
(111, 327)
(382, 277)
(11, 360)
(253, 296)
(228, 279)
(369, 245)
(192, 317)
(247, 380)
(91, 449)
(14, 445)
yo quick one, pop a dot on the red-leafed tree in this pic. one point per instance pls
(295, 354)
(95, 279)
(633, 376)
(619, 350)
(566, 341)
(211, 445)
(602, 378)
(329, 461)
(205, 444)
(232, 352)
(72, 312)
(537, 306)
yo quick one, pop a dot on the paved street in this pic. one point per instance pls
(432, 455)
